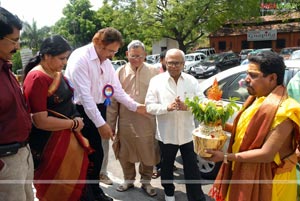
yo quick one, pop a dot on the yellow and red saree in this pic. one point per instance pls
(61, 156)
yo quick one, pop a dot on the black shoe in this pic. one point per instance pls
(103, 197)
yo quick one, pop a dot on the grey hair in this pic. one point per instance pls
(175, 50)
(135, 44)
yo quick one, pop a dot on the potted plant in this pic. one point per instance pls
(212, 114)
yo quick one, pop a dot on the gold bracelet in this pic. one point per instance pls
(225, 157)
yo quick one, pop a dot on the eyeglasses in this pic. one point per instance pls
(174, 63)
(15, 42)
(111, 51)
(136, 56)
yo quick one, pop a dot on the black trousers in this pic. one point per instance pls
(91, 133)
(191, 170)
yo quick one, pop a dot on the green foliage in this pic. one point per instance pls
(79, 24)
(211, 111)
(183, 21)
(186, 22)
(32, 37)
(16, 61)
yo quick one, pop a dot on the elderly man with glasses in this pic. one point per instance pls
(165, 99)
(136, 132)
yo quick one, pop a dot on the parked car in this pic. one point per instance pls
(229, 83)
(192, 60)
(152, 59)
(215, 63)
(244, 53)
(118, 63)
(207, 51)
(287, 52)
(255, 52)
(295, 55)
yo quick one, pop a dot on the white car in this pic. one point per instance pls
(295, 55)
(192, 60)
(229, 83)
(153, 58)
(118, 63)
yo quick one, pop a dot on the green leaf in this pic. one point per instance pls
(210, 111)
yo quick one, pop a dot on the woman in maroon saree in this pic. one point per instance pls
(59, 150)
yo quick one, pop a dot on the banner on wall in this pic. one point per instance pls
(262, 35)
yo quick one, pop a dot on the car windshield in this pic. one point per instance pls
(296, 55)
(189, 58)
(286, 51)
(213, 58)
(246, 51)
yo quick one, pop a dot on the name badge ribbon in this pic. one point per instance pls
(108, 92)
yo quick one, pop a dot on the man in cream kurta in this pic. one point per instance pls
(136, 132)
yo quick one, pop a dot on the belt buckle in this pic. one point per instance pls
(9, 149)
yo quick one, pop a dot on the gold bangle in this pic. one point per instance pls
(225, 157)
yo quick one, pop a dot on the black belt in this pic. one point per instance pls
(11, 149)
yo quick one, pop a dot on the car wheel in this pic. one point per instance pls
(217, 70)
(208, 169)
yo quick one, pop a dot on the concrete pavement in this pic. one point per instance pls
(138, 194)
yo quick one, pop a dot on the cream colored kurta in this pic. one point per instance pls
(136, 131)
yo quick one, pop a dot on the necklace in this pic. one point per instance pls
(48, 72)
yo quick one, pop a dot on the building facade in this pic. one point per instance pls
(272, 31)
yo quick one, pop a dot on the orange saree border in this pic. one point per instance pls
(55, 83)
(63, 168)
(61, 174)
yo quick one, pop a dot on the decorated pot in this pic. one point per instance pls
(209, 136)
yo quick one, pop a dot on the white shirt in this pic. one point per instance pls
(174, 127)
(88, 77)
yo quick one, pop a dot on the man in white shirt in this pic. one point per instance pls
(165, 99)
(95, 82)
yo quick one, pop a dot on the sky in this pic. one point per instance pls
(44, 12)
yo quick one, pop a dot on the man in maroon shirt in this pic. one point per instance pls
(16, 165)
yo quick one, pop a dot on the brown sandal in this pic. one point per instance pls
(156, 174)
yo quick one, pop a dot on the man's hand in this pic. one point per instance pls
(172, 106)
(141, 109)
(105, 131)
(177, 105)
(180, 104)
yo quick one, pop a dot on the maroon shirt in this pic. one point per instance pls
(15, 121)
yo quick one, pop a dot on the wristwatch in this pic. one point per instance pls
(225, 157)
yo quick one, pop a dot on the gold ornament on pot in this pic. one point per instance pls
(212, 114)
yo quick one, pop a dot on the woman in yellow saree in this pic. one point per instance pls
(59, 150)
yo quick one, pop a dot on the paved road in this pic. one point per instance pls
(137, 194)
